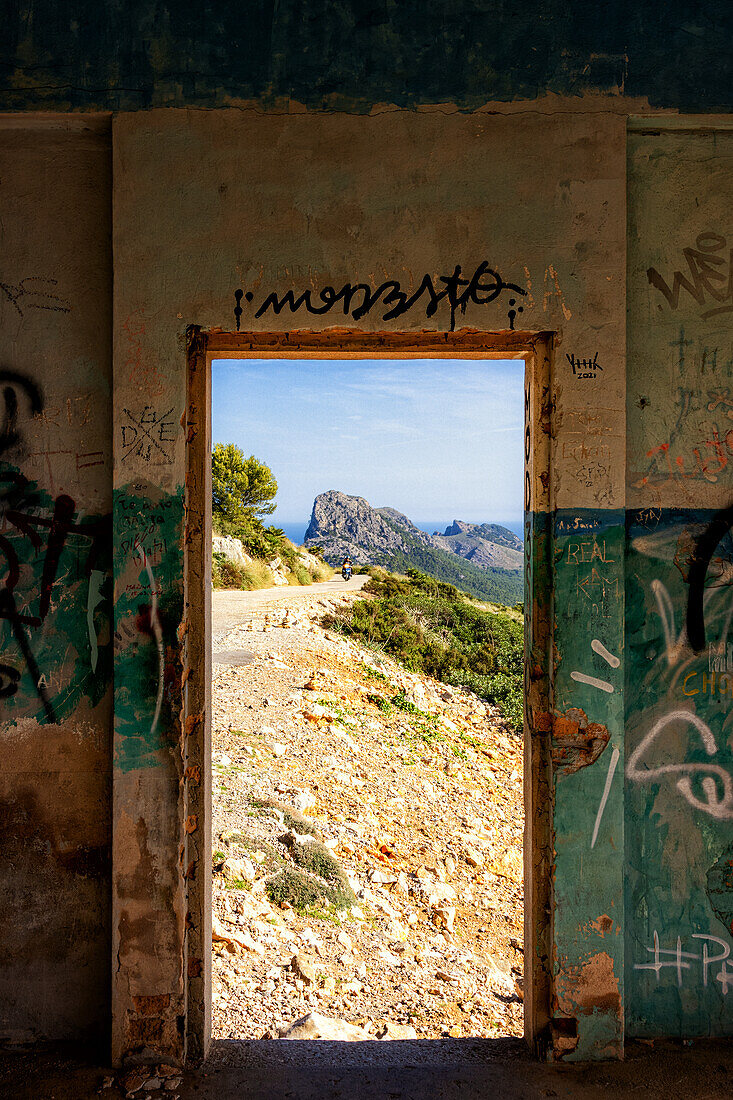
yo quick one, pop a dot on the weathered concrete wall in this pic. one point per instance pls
(679, 673)
(352, 54)
(55, 559)
(399, 221)
(216, 212)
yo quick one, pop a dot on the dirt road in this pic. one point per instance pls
(231, 608)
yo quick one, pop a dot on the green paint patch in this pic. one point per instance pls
(148, 561)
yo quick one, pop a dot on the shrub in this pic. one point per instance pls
(433, 628)
(299, 575)
(226, 573)
(316, 858)
(304, 891)
(321, 571)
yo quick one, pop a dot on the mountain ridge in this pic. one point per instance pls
(490, 568)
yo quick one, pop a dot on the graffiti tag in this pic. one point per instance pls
(34, 292)
(584, 367)
(708, 280)
(676, 959)
(714, 779)
(356, 300)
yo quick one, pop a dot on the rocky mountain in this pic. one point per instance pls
(485, 544)
(485, 559)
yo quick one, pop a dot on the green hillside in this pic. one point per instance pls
(495, 585)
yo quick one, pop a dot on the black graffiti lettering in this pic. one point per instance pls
(9, 611)
(34, 292)
(584, 367)
(146, 433)
(277, 305)
(484, 286)
(9, 678)
(709, 276)
(704, 549)
(22, 511)
(13, 382)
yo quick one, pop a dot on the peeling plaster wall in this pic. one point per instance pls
(679, 673)
(55, 564)
(223, 210)
(241, 220)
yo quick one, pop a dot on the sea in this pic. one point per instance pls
(296, 531)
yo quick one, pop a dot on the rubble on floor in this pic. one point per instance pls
(367, 843)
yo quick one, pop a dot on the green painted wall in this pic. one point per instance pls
(679, 724)
(352, 54)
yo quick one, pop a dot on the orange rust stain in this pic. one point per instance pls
(146, 1031)
(191, 824)
(193, 773)
(576, 742)
(602, 925)
(590, 987)
(192, 721)
(152, 1005)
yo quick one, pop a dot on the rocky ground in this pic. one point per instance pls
(409, 793)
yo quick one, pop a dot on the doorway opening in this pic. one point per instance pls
(364, 750)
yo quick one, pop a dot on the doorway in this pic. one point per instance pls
(409, 718)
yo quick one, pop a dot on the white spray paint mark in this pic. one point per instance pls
(707, 961)
(672, 643)
(719, 808)
(680, 961)
(600, 649)
(604, 797)
(158, 633)
(593, 681)
(94, 598)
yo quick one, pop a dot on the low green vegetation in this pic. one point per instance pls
(243, 492)
(306, 892)
(432, 627)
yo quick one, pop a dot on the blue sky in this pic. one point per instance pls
(437, 439)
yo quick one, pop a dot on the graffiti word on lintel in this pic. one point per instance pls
(358, 299)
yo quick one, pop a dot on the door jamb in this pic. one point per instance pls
(536, 349)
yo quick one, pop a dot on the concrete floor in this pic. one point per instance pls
(428, 1070)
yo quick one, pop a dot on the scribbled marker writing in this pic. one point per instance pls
(356, 300)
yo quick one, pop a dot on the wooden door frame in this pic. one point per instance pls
(536, 349)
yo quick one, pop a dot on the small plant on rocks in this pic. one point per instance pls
(306, 892)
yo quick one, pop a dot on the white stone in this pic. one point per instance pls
(241, 870)
(316, 1026)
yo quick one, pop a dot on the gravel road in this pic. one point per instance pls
(231, 608)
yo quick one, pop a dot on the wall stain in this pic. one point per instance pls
(576, 742)
(719, 889)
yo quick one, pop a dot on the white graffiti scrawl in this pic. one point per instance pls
(594, 681)
(714, 779)
(677, 959)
